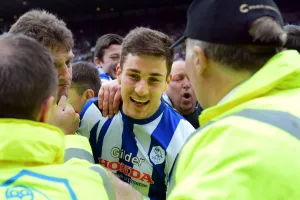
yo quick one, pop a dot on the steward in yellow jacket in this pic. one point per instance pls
(32, 156)
(248, 145)
(32, 151)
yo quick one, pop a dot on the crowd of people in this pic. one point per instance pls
(214, 115)
(86, 33)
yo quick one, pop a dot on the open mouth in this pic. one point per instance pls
(138, 102)
(187, 96)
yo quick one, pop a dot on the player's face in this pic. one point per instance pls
(111, 59)
(143, 80)
(63, 65)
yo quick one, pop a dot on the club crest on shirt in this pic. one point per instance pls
(157, 155)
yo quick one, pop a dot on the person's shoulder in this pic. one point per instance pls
(90, 108)
(80, 167)
(172, 112)
(177, 123)
(226, 139)
(89, 117)
(105, 78)
(95, 179)
(175, 116)
(166, 99)
(65, 181)
(230, 130)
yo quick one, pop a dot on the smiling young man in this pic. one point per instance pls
(107, 55)
(142, 141)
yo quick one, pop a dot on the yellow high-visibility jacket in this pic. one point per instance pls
(248, 147)
(32, 166)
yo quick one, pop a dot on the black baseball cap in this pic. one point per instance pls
(227, 21)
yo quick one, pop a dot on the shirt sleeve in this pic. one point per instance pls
(89, 118)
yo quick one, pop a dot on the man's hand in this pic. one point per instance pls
(65, 117)
(109, 98)
(123, 191)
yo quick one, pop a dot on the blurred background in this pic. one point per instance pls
(89, 19)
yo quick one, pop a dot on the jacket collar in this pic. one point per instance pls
(281, 72)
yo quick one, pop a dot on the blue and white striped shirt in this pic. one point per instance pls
(104, 77)
(141, 152)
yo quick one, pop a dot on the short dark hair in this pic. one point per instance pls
(85, 76)
(27, 77)
(104, 42)
(144, 41)
(293, 37)
(45, 28)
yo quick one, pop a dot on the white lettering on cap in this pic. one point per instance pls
(244, 8)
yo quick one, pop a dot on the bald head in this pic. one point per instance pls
(27, 76)
(177, 65)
